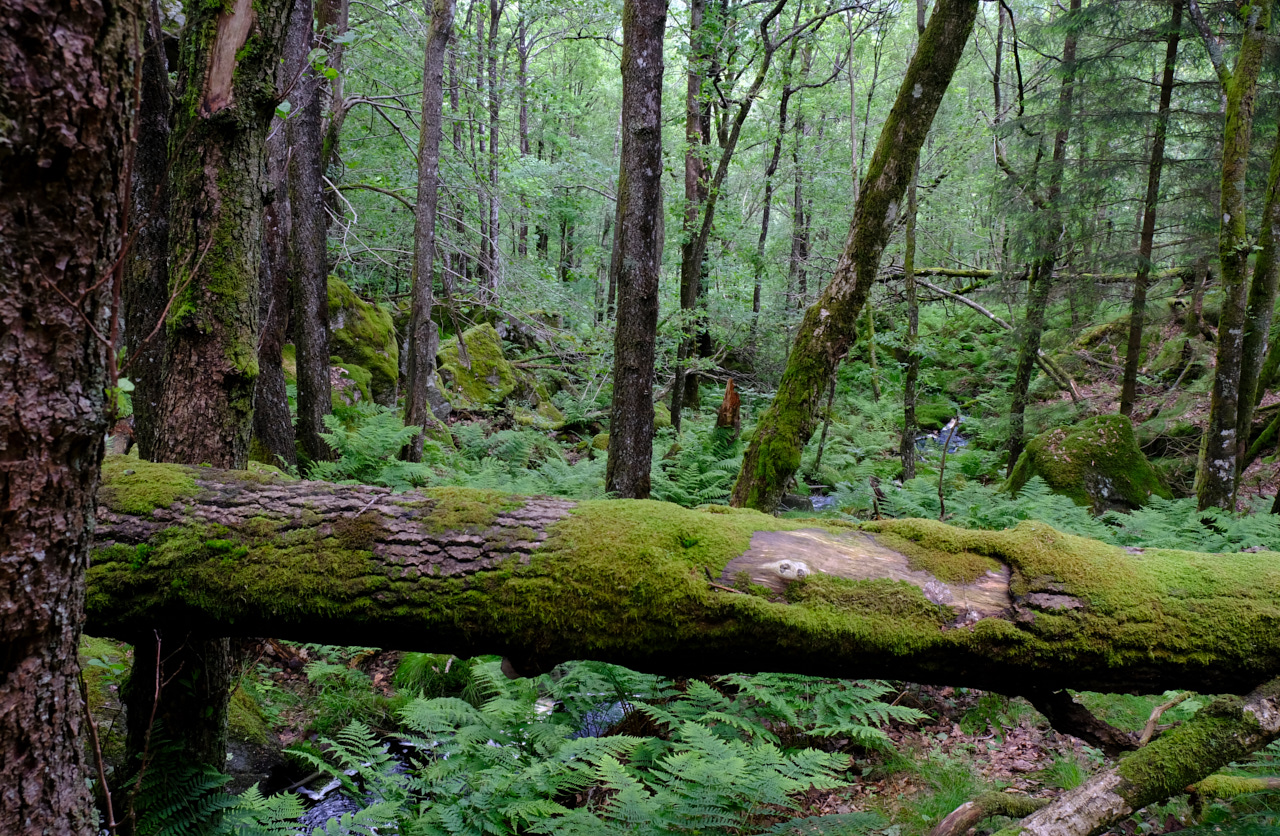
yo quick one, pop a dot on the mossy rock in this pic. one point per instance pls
(1179, 353)
(661, 416)
(1113, 333)
(1096, 463)
(934, 414)
(244, 718)
(545, 416)
(351, 383)
(363, 335)
(491, 378)
(600, 442)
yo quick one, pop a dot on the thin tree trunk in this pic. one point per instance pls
(697, 130)
(308, 268)
(1040, 282)
(1138, 308)
(907, 447)
(1220, 449)
(522, 93)
(422, 395)
(829, 325)
(495, 109)
(273, 438)
(69, 78)
(146, 282)
(637, 249)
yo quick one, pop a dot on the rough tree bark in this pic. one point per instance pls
(637, 249)
(1220, 448)
(226, 98)
(829, 325)
(1146, 242)
(68, 86)
(146, 280)
(422, 397)
(1048, 221)
(308, 265)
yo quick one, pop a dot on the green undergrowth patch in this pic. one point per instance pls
(136, 486)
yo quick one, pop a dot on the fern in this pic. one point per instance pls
(367, 451)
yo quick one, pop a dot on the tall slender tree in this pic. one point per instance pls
(422, 396)
(829, 326)
(637, 249)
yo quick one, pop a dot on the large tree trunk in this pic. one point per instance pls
(227, 73)
(637, 249)
(226, 81)
(422, 396)
(67, 91)
(829, 325)
(1220, 448)
(308, 265)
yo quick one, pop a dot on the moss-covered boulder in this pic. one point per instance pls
(661, 416)
(349, 383)
(488, 380)
(934, 414)
(363, 335)
(1096, 463)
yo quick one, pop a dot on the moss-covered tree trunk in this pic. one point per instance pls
(1146, 239)
(226, 97)
(637, 249)
(828, 327)
(227, 64)
(68, 76)
(1220, 448)
(641, 583)
(421, 395)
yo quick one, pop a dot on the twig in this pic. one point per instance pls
(1150, 728)
(97, 756)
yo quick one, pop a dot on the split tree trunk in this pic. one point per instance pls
(637, 249)
(829, 325)
(67, 92)
(1146, 243)
(422, 394)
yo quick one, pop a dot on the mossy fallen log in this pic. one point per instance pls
(651, 585)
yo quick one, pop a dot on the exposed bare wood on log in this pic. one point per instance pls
(544, 580)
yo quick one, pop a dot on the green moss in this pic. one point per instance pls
(134, 486)
(1096, 462)
(934, 414)
(244, 719)
(461, 509)
(491, 378)
(103, 663)
(661, 416)
(363, 335)
(947, 565)
(289, 362)
(1229, 786)
(600, 442)
(897, 599)
(362, 379)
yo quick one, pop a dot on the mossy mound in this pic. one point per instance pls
(661, 416)
(934, 414)
(1096, 463)
(600, 442)
(363, 335)
(351, 383)
(244, 718)
(1194, 355)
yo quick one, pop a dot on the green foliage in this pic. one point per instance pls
(701, 472)
(177, 797)
(368, 449)
(344, 694)
(432, 674)
(513, 761)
